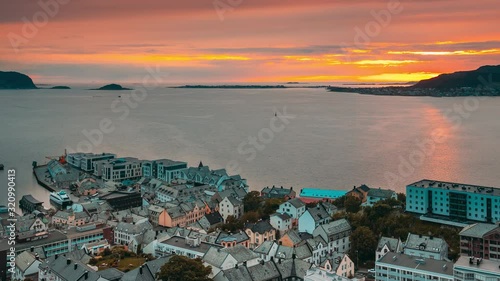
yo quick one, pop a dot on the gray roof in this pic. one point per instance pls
(260, 227)
(296, 202)
(215, 256)
(478, 230)
(284, 252)
(225, 237)
(453, 186)
(111, 274)
(24, 260)
(240, 273)
(138, 228)
(381, 193)
(318, 213)
(430, 265)
(240, 253)
(294, 236)
(392, 243)
(485, 266)
(180, 242)
(293, 268)
(432, 244)
(302, 252)
(336, 227)
(265, 247)
(284, 216)
(262, 272)
(67, 269)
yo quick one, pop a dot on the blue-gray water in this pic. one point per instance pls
(334, 140)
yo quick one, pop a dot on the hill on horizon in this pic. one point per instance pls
(488, 75)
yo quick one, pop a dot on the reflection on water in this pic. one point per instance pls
(335, 141)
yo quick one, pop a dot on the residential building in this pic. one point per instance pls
(211, 221)
(229, 240)
(260, 232)
(453, 203)
(96, 248)
(85, 161)
(281, 222)
(319, 249)
(216, 178)
(266, 250)
(401, 267)
(87, 187)
(360, 192)
(126, 232)
(70, 218)
(388, 245)
(292, 238)
(294, 208)
(191, 247)
(286, 270)
(312, 218)
(122, 200)
(481, 240)
(470, 268)
(26, 266)
(377, 194)
(236, 192)
(230, 206)
(121, 169)
(182, 192)
(428, 247)
(336, 234)
(230, 257)
(320, 274)
(339, 264)
(163, 169)
(183, 214)
(278, 192)
(31, 227)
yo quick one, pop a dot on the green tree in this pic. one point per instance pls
(352, 204)
(363, 244)
(252, 201)
(271, 205)
(185, 269)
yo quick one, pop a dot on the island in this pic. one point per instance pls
(112, 87)
(61, 88)
(484, 81)
(15, 80)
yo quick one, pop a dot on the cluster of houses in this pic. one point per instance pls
(165, 208)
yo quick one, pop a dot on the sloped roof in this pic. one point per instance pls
(24, 260)
(392, 243)
(478, 230)
(260, 227)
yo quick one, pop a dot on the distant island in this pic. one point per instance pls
(112, 87)
(61, 88)
(484, 81)
(15, 80)
(244, 87)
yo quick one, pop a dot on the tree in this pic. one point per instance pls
(271, 205)
(352, 204)
(252, 201)
(363, 244)
(185, 269)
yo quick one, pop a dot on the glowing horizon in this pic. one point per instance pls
(255, 41)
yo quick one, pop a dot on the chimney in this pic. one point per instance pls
(76, 266)
(279, 261)
(32, 249)
(56, 256)
(86, 275)
(68, 262)
(140, 269)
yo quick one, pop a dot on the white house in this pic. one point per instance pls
(281, 222)
(377, 194)
(426, 246)
(293, 207)
(336, 234)
(319, 249)
(267, 250)
(386, 245)
(312, 218)
(230, 206)
(191, 247)
(26, 266)
(125, 232)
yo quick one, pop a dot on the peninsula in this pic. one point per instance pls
(484, 81)
(15, 80)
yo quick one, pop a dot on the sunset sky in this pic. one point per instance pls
(206, 41)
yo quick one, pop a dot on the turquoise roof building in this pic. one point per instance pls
(322, 193)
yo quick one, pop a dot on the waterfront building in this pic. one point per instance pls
(481, 240)
(336, 234)
(320, 194)
(377, 194)
(216, 178)
(278, 192)
(230, 206)
(388, 245)
(164, 169)
(312, 218)
(29, 204)
(85, 161)
(401, 267)
(121, 169)
(426, 246)
(359, 192)
(453, 203)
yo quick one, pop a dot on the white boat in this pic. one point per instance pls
(61, 199)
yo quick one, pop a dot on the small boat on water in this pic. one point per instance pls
(60, 199)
